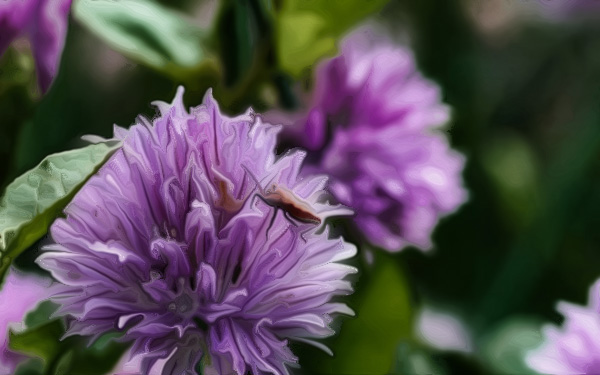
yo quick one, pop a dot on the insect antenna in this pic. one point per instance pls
(272, 203)
(293, 222)
(275, 209)
(271, 222)
(255, 179)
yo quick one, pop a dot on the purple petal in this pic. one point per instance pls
(372, 124)
(574, 348)
(15, 15)
(48, 31)
(170, 244)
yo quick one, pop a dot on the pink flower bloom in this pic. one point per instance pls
(171, 244)
(574, 348)
(371, 125)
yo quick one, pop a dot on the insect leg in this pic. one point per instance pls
(303, 233)
(275, 209)
(259, 185)
(253, 201)
(293, 222)
(290, 218)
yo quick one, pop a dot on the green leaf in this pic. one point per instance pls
(244, 33)
(43, 341)
(33, 200)
(40, 315)
(308, 29)
(97, 359)
(67, 356)
(367, 343)
(39, 338)
(51, 354)
(33, 366)
(143, 30)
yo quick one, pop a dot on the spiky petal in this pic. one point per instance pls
(168, 244)
(573, 348)
(372, 125)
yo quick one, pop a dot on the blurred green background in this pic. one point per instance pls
(525, 100)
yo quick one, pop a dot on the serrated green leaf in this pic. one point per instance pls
(308, 29)
(33, 200)
(143, 30)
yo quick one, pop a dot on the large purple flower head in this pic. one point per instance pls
(371, 125)
(574, 349)
(173, 244)
(45, 24)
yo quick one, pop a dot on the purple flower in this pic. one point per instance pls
(45, 24)
(574, 349)
(371, 127)
(19, 294)
(172, 244)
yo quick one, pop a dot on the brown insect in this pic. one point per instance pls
(281, 198)
(285, 199)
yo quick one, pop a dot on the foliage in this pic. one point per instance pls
(52, 354)
(309, 29)
(367, 343)
(145, 31)
(524, 112)
(32, 201)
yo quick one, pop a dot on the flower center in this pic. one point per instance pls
(181, 304)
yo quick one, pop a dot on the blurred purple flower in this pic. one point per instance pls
(574, 349)
(19, 295)
(371, 126)
(45, 24)
(562, 10)
(170, 244)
